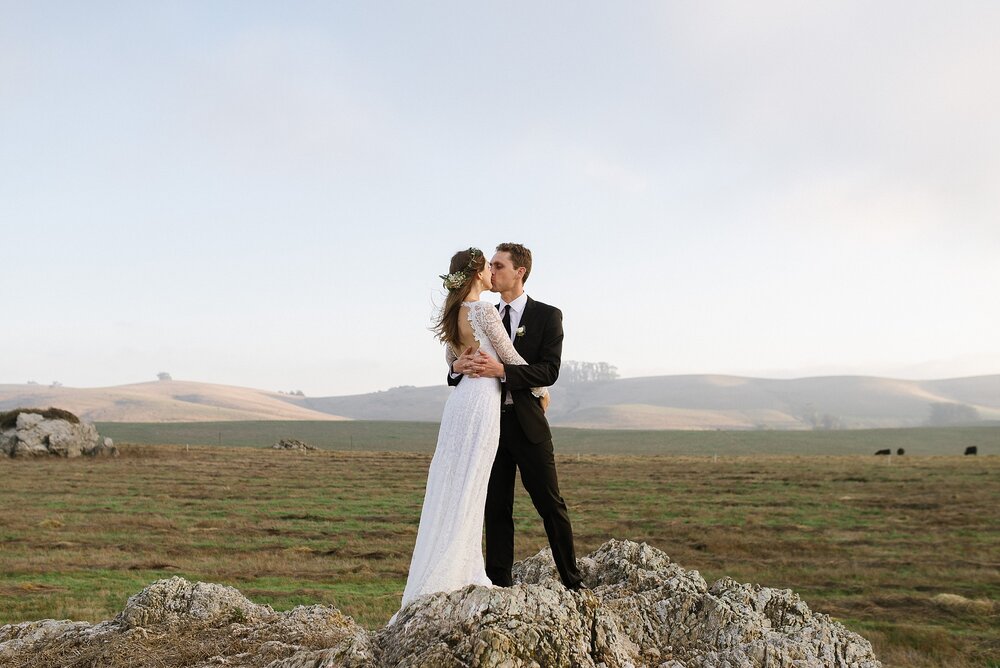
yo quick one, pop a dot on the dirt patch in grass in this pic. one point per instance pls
(29, 588)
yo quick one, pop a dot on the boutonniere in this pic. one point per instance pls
(519, 331)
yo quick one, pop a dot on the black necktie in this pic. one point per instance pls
(507, 399)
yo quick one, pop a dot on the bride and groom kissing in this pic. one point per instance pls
(501, 361)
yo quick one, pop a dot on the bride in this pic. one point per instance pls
(448, 553)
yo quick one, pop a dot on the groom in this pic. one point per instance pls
(525, 438)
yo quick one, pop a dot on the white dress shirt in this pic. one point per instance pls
(516, 308)
(516, 311)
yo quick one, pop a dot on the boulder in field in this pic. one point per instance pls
(30, 432)
(292, 444)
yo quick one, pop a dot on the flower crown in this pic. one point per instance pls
(457, 279)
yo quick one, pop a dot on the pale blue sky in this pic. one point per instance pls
(263, 194)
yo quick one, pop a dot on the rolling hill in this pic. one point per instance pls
(160, 401)
(711, 402)
(656, 402)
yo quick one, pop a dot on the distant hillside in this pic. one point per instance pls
(710, 402)
(419, 404)
(656, 402)
(160, 401)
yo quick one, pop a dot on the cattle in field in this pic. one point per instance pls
(972, 450)
(900, 451)
(887, 451)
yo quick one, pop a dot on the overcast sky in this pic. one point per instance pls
(263, 194)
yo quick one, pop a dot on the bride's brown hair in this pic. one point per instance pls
(465, 265)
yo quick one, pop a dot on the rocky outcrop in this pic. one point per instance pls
(642, 610)
(33, 432)
(179, 623)
(292, 444)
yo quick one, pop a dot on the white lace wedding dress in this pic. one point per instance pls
(448, 554)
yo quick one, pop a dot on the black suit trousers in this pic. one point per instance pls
(538, 475)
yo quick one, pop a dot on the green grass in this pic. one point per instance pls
(869, 540)
(421, 437)
(345, 436)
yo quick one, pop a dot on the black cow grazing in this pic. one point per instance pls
(971, 450)
(900, 451)
(887, 451)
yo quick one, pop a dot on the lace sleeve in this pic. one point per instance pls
(489, 322)
(449, 355)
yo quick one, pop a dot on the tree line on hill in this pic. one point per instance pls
(573, 371)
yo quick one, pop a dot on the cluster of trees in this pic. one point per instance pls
(821, 421)
(825, 422)
(572, 371)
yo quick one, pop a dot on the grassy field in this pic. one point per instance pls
(875, 542)
(421, 436)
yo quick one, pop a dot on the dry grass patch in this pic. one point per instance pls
(980, 606)
(188, 645)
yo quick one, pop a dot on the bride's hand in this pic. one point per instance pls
(463, 364)
(545, 402)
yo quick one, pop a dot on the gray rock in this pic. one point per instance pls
(174, 622)
(292, 444)
(175, 599)
(491, 627)
(642, 610)
(35, 435)
(105, 448)
(19, 639)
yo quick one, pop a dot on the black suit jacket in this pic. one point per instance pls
(541, 348)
